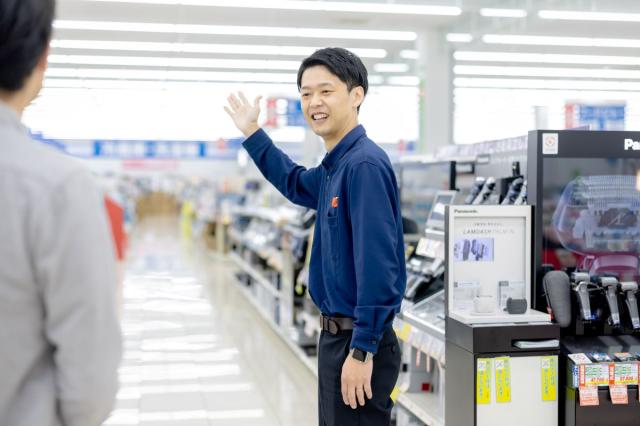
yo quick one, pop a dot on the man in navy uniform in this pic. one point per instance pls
(357, 273)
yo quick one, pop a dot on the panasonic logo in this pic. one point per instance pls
(631, 145)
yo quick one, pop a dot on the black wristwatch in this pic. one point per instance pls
(361, 355)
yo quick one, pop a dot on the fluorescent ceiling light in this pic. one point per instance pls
(546, 72)
(551, 58)
(503, 13)
(142, 61)
(546, 84)
(391, 67)
(320, 6)
(409, 54)
(405, 80)
(124, 81)
(459, 38)
(560, 41)
(244, 49)
(171, 75)
(571, 15)
(322, 33)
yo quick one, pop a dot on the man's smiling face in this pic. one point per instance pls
(327, 103)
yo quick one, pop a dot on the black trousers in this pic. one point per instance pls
(332, 352)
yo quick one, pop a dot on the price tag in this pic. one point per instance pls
(503, 379)
(619, 395)
(549, 367)
(625, 373)
(589, 396)
(483, 381)
(394, 394)
(405, 331)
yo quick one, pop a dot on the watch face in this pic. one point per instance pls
(359, 355)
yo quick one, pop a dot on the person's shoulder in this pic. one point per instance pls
(369, 152)
(35, 162)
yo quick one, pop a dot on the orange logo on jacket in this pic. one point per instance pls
(334, 202)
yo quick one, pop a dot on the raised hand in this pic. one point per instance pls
(244, 114)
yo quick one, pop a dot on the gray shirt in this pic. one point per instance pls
(60, 340)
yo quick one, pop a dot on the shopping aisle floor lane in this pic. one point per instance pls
(195, 352)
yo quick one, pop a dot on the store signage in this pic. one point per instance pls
(483, 381)
(549, 367)
(550, 143)
(630, 144)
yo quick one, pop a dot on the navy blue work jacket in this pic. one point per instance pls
(357, 264)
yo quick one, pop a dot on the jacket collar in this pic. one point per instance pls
(9, 116)
(347, 142)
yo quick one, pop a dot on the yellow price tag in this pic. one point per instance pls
(405, 332)
(394, 394)
(549, 366)
(502, 367)
(483, 381)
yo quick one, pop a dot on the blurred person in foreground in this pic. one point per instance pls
(357, 271)
(60, 341)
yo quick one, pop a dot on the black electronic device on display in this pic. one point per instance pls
(586, 189)
(419, 182)
(425, 267)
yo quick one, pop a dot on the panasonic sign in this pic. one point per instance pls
(631, 145)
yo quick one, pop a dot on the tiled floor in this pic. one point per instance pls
(196, 353)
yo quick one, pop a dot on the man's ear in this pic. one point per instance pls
(43, 62)
(358, 96)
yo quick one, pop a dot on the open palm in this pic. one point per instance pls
(243, 113)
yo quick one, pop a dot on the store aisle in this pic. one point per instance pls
(196, 353)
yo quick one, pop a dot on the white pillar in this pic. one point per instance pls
(436, 91)
(312, 149)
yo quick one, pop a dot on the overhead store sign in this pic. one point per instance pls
(284, 112)
(608, 116)
(135, 149)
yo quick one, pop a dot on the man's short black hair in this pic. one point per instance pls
(345, 65)
(25, 32)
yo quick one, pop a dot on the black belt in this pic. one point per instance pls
(334, 325)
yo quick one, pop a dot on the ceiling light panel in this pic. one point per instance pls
(571, 15)
(409, 54)
(241, 49)
(391, 67)
(459, 38)
(319, 6)
(547, 72)
(171, 75)
(560, 41)
(545, 84)
(503, 13)
(142, 61)
(322, 33)
(551, 58)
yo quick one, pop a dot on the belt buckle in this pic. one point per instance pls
(330, 325)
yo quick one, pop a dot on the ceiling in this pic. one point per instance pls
(220, 40)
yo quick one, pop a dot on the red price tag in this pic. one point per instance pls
(588, 396)
(619, 395)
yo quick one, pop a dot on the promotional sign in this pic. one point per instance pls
(608, 116)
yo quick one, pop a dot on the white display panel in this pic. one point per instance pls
(488, 261)
(526, 407)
